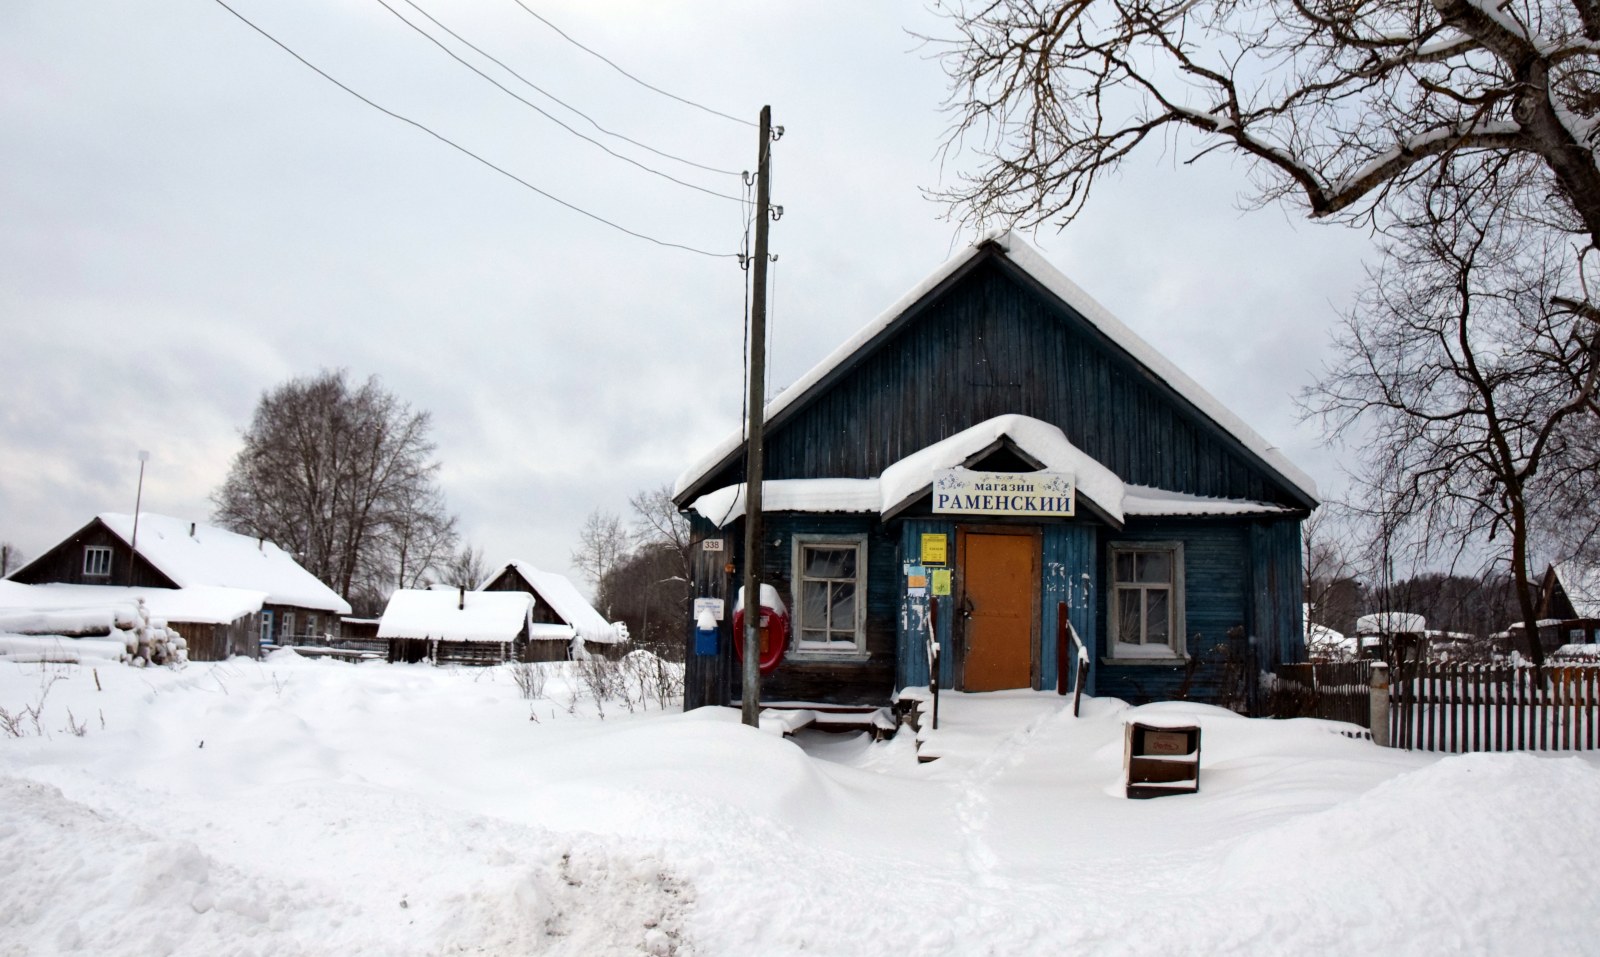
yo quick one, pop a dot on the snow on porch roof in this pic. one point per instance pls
(907, 479)
(203, 604)
(448, 614)
(1030, 261)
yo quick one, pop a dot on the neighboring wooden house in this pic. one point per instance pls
(1569, 599)
(455, 626)
(1392, 635)
(237, 592)
(564, 623)
(999, 436)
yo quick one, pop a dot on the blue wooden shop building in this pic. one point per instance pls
(1001, 445)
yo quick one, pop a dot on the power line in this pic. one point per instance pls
(602, 58)
(452, 143)
(542, 112)
(542, 91)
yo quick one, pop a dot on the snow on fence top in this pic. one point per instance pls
(449, 614)
(195, 555)
(562, 597)
(1030, 261)
(910, 477)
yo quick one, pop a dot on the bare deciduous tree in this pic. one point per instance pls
(466, 568)
(1341, 104)
(343, 478)
(1473, 382)
(603, 543)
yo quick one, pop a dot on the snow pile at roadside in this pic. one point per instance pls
(299, 806)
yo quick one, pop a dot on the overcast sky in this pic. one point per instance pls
(189, 217)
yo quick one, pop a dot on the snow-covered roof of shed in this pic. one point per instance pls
(447, 615)
(1582, 585)
(204, 604)
(1030, 261)
(214, 556)
(558, 593)
(1391, 623)
(910, 477)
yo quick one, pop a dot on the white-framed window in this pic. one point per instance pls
(1146, 613)
(96, 561)
(288, 625)
(311, 624)
(266, 627)
(830, 595)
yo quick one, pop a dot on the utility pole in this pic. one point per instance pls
(750, 695)
(138, 500)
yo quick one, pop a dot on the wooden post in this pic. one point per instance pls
(750, 694)
(1378, 702)
(1061, 649)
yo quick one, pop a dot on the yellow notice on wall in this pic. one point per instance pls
(934, 549)
(941, 581)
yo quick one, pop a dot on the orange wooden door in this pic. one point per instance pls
(1002, 575)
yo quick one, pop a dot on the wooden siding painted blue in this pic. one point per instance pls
(991, 345)
(1068, 576)
(1217, 561)
(911, 632)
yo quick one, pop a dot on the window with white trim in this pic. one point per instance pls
(1146, 614)
(311, 624)
(288, 627)
(266, 627)
(96, 561)
(830, 593)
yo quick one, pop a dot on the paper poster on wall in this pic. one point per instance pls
(934, 551)
(941, 582)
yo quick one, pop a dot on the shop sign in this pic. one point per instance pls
(1023, 494)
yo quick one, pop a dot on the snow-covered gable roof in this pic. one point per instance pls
(204, 604)
(195, 555)
(1030, 261)
(558, 594)
(1582, 586)
(449, 615)
(909, 478)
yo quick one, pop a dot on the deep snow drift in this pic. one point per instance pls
(314, 807)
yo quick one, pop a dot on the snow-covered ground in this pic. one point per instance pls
(294, 806)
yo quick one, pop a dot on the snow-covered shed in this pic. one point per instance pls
(226, 593)
(453, 624)
(999, 445)
(563, 620)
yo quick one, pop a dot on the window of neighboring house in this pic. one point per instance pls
(1147, 600)
(266, 627)
(288, 626)
(830, 590)
(97, 561)
(311, 624)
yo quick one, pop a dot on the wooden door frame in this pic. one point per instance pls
(958, 596)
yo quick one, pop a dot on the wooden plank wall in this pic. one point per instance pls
(1068, 572)
(911, 624)
(1216, 555)
(990, 347)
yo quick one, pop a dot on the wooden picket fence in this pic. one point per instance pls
(1442, 706)
(1338, 691)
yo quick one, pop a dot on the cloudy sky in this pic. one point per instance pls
(189, 217)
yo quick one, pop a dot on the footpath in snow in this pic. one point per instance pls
(314, 807)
